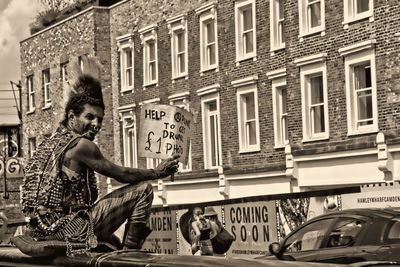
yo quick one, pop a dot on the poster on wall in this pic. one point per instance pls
(381, 195)
(163, 237)
(164, 130)
(253, 226)
(185, 231)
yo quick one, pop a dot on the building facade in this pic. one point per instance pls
(288, 96)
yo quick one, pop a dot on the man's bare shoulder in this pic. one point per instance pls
(84, 147)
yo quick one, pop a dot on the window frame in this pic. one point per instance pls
(276, 39)
(147, 36)
(126, 128)
(277, 85)
(239, 43)
(125, 43)
(306, 72)
(31, 94)
(244, 146)
(305, 28)
(207, 15)
(350, 14)
(205, 100)
(352, 60)
(46, 82)
(178, 25)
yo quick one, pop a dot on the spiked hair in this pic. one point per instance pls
(85, 87)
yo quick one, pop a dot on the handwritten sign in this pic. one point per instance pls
(164, 130)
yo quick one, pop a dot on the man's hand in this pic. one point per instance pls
(167, 167)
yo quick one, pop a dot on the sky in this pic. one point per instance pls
(15, 17)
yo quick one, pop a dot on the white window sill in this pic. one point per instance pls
(281, 145)
(347, 21)
(307, 140)
(180, 76)
(46, 106)
(150, 84)
(275, 49)
(305, 34)
(363, 131)
(244, 151)
(30, 111)
(202, 71)
(124, 92)
(252, 56)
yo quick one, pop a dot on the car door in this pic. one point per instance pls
(305, 242)
(342, 240)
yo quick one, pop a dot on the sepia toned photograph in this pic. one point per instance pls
(200, 133)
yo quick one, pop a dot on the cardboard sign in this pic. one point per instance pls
(164, 130)
(163, 238)
(253, 226)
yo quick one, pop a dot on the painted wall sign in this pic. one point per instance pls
(253, 226)
(163, 238)
(164, 130)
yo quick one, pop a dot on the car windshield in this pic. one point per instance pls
(308, 237)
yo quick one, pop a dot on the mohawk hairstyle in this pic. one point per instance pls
(85, 87)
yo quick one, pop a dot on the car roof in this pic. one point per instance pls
(386, 213)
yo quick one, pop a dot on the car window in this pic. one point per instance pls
(308, 237)
(344, 232)
(393, 235)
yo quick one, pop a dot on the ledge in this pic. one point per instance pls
(328, 147)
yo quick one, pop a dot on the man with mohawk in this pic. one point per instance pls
(60, 192)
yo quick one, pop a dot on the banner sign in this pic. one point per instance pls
(184, 232)
(164, 130)
(373, 196)
(253, 226)
(163, 238)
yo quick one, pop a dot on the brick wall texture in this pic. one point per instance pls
(95, 32)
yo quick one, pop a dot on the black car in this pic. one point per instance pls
(346, 236)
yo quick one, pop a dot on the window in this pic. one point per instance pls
(245, 20)
(182, 100)
(315, 104)
(129, 142)
(357, 9)
(247, 106)
(279, 93)
(125, 48)
(46, 88)
(31, 146)
(314, 97)
(208, 38)
(64, 79)
(31, 94)
(179, 52)
(64, 72)
(311, 16)
(309, 237)
(211, 131)
(277, 32)
(362, 109)
(152, 163)
(345, 232)
(150, 57)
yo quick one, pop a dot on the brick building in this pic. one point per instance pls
(288, 95)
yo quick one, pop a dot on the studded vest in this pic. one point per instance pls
(52, 195)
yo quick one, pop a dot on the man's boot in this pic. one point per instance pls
(135, 234)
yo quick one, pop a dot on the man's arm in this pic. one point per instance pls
(89, 154)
